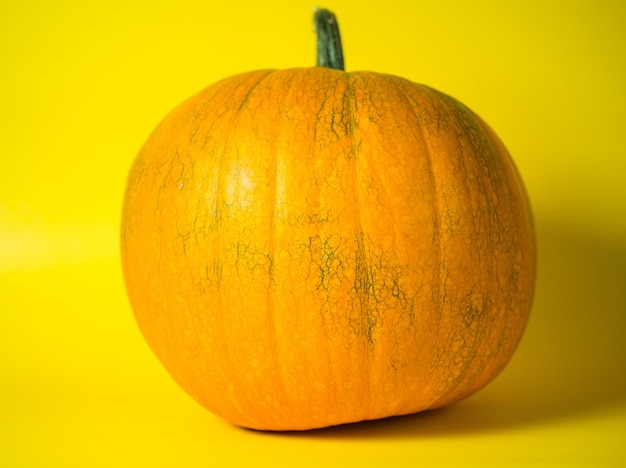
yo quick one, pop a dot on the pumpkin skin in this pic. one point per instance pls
(309, 247)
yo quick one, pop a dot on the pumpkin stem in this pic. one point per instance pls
(329, 51)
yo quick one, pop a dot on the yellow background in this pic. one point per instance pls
(83, 83)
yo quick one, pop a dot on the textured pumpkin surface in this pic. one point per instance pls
(309, 247)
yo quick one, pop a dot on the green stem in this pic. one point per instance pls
(329, 51)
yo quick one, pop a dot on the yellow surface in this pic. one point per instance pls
(82, 86)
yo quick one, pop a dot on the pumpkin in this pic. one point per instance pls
(311, 247)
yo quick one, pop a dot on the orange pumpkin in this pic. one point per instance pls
(310, 247)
